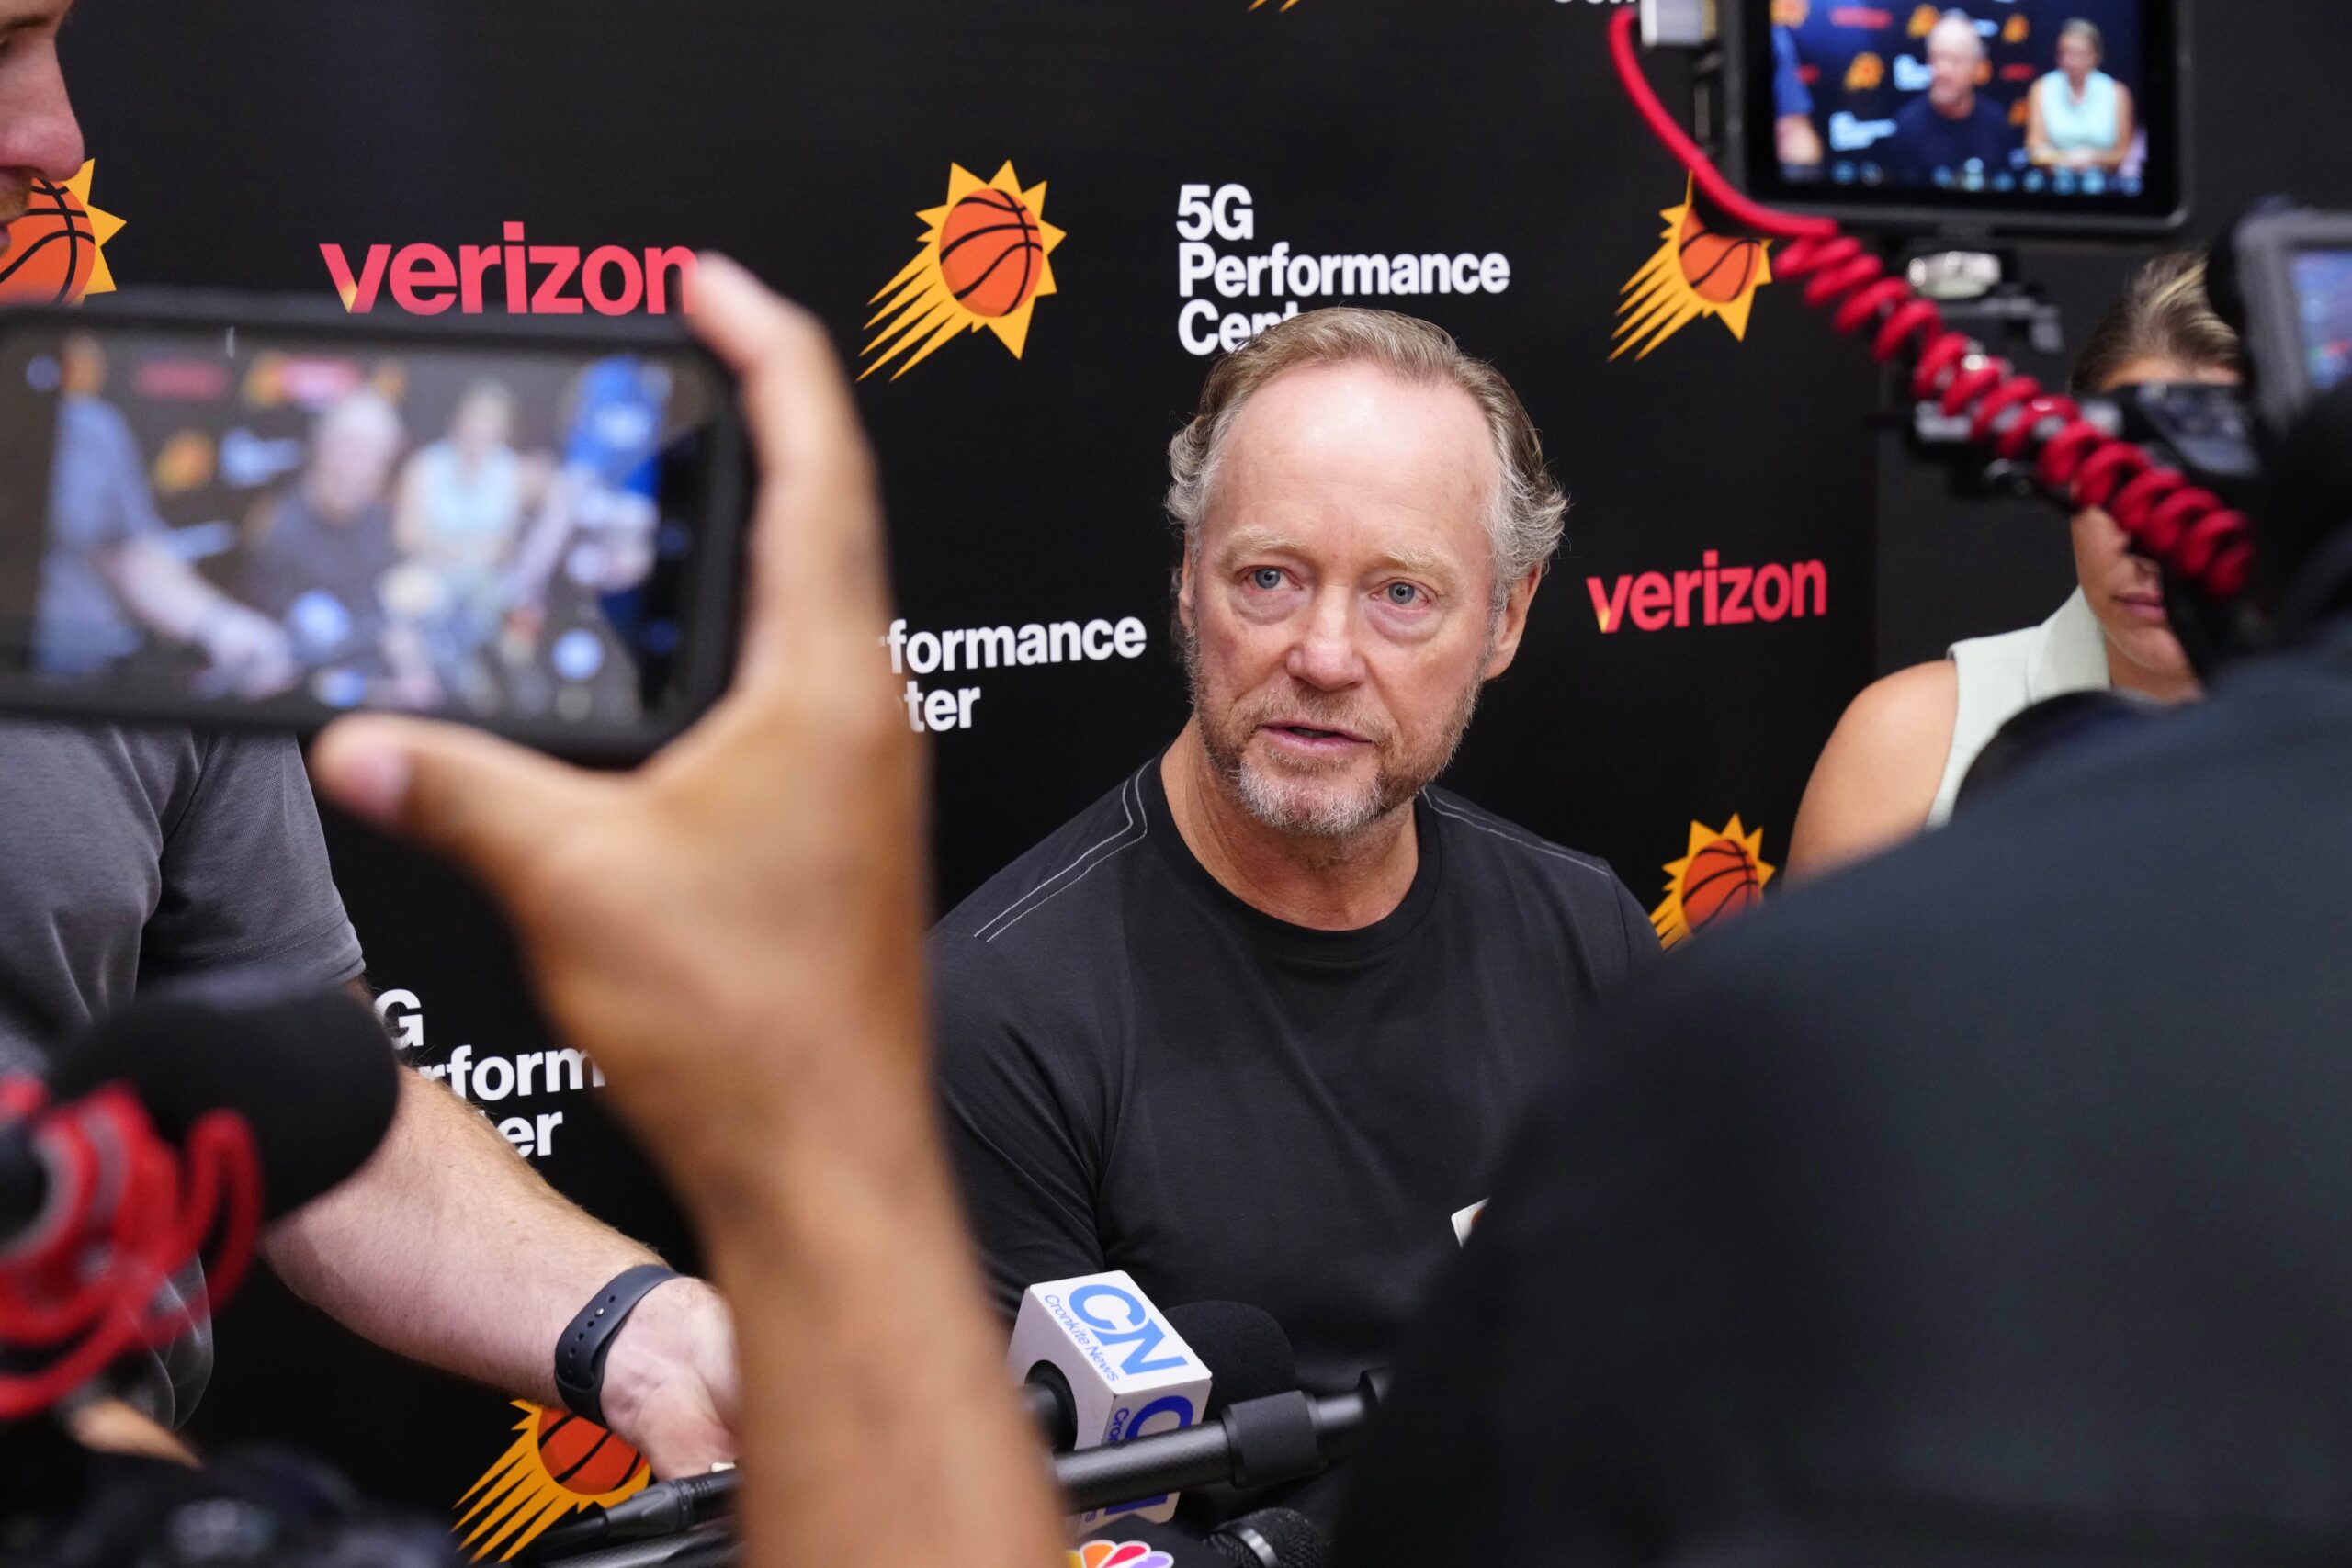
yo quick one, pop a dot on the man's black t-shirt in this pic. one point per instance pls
(1925, 140)
(1142, 1072)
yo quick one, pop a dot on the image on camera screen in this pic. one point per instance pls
(2324, 289)
(475, 532)
(2034, 103)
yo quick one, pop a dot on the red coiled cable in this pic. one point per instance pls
(125, 1213)
(2190, 531)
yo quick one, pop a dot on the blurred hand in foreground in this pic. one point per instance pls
(733, 931)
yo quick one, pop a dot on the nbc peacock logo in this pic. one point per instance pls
(558, 1464)
(1119, 1554)
(56, 250)
(1723, 872)
(983, 265)
(1700, 270)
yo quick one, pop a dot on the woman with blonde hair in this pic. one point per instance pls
(1895, 761)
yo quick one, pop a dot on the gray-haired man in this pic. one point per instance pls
(1253, 1026)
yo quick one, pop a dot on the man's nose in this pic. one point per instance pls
(1327, 654)
(38, 132)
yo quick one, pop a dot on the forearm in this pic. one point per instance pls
(162, 590)
(446, 1247)
(890, 1434)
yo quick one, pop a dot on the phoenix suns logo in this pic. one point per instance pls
(984, 263)
(559, 1464)
(1700, 270)
(1722, 874)
(56, 251)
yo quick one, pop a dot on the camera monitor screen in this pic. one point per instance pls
(2323, 292)
(498, 534)
(2060, 109)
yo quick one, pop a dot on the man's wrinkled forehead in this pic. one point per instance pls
(1334, 431)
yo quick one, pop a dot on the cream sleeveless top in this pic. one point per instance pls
(2002, 676)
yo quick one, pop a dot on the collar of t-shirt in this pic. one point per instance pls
(1364, 944)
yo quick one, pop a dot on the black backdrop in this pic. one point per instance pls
(238, 137)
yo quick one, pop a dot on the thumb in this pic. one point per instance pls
(485, 804)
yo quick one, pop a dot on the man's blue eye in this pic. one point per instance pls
(1267, 577)
(1402, 594)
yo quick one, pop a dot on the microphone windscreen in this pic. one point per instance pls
(1276, 1538)
(311, 1073)
(1247, 1354)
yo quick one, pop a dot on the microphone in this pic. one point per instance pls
(272, 1099)
(1257, 1442)
(1242, 1347)
(311, 1073)
(1247, 1353)
(1127, 1369)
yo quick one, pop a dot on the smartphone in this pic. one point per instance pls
(218, 509)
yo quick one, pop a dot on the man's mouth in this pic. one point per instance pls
(1315, 734)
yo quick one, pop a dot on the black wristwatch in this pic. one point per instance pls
(579, 1354)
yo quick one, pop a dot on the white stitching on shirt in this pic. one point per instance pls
(1555, 851)
(1137, 824)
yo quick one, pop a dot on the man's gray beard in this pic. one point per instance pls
(1274, 805)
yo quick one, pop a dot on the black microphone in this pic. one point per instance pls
(310, 1072)
(92, 1213)
(1245, 1350)
(1257, 1442)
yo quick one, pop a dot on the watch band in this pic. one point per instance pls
(580, 1353)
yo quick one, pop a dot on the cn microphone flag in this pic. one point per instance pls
(1130, 1373)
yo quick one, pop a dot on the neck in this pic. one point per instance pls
(2126, 676)
(1333, 885)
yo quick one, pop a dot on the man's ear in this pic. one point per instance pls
(1514, 624)
(1184, 589)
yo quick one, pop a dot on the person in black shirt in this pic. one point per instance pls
(317, 564)
(1253, 1026)
(1952, 124)
(1977, 1205)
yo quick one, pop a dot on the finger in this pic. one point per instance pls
(485, 804)
(818, 581)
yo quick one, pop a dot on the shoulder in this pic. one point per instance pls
(1475, 830)
(1877, 778)
(1068, 876)
(1898, 714)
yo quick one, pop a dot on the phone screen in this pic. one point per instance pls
(498, 534)
(2049, 109)
(2324, 299)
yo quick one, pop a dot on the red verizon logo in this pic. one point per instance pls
(1714, 595)
(532, 281)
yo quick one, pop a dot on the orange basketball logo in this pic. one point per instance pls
(983, 265)
(1700, 270)
(1867, 72)
(1791, 13)
(54, 254)
(989, 253)
(1722, 874)
(558, 1464)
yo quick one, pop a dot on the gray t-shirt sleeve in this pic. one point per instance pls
(245, 874)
